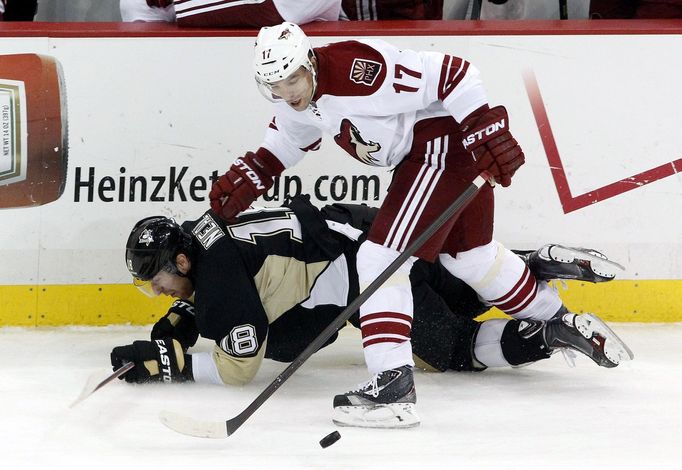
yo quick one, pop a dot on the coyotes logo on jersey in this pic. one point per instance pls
(351, 141)
(364, 71)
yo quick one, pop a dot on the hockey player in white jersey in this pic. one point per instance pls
(427, 115)
(226, 13)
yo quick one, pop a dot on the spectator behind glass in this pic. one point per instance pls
(18, 10)
(533, 9)
(393, 9)
(198, 13)
(635, 9)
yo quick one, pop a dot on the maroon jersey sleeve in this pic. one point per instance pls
(349, 68)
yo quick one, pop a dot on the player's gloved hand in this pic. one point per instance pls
(495, 150)
(178, 323)
(155, 361)
(247, 178)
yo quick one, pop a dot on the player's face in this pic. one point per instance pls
(165, 283)
(296, 89)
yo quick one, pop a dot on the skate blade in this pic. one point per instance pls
(389, 416)
(615, 348)
(599, 264)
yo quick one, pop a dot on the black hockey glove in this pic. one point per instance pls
(179, 324)
(155, 361)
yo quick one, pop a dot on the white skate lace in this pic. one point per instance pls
(371, 387)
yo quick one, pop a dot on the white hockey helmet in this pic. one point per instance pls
(280, 51)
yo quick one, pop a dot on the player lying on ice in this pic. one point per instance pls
(267, 284)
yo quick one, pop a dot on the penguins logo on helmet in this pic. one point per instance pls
(146, 237)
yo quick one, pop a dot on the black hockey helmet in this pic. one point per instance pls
(153, 245)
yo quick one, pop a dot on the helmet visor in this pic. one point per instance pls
(300, 85)
(146, 287)
(266, 91)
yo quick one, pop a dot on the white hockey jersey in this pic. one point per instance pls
(231, 12)
(369, 96)
(296, 11)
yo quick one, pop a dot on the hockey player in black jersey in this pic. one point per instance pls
(269, 283)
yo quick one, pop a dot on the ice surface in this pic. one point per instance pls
(543, 416)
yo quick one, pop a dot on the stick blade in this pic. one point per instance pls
(193, 427)
(88, 389)
(94, 382)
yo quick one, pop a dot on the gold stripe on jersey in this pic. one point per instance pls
(284, 282)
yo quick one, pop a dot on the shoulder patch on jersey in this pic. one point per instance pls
(207, 231)
(364, 71)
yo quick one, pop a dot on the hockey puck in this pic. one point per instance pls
(329, 439)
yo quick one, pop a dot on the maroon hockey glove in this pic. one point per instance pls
(487, 136)
(247, 179)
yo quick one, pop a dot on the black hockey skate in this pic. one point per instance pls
(561, 262)
(386, 401)
(587, 334)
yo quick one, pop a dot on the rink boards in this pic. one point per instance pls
(154, 112)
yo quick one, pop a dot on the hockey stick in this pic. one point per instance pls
(91, 388)
(222, 429)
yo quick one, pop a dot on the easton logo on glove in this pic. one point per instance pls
(494, 149)
(248, 171)
(248, 178)
(485, 134)
(166, 371)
